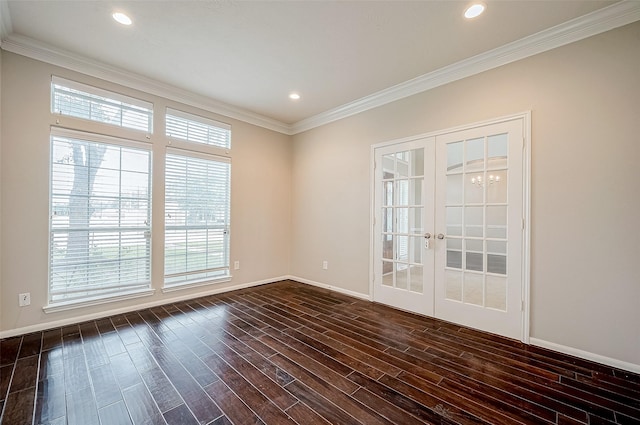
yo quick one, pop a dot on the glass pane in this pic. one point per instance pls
(497, 264)
(497, 147)
(454, 253)
(473, 221)
(387, 193)
(454, 221)
(403, 220)
(135, 184)
(475, 155)
(473, 288)
(106, 183)
(134, 161)
(497, 247)
(496, 293)
(415, 192)
(417, 162)
(497, 222)
(453, 285)
(387, 247)
(473, 189)
(416, 221)
(474, 255)
(474, 261)
(402, 164)
(387, 220)
(402, 248)
(417, 242)
(387, 273)
(454, 189)
(416, 279)
(454, 157)
(403, 192)
(497, 187)
(474, 245)
(388, 166)
(402, 276)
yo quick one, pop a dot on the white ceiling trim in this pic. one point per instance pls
(616, 15)
(34, 49)
(605, 19)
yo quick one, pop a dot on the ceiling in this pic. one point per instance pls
(252, 54)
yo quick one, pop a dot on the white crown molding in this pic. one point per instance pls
(5, 21)
(599, 21)
(34, 49)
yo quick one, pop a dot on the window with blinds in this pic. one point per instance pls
(100, 216)
(192, 128)
(197, 194)
(94, 104)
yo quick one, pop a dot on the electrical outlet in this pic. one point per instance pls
(236, 265)
(325, 265)
(24, 299)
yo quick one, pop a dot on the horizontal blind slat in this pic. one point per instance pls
(94, 104)
(197, 218)
(98, 243)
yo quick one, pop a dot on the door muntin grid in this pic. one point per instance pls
(476, 211)
(403, 220)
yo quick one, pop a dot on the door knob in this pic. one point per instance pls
(440, 236)
(427, 235)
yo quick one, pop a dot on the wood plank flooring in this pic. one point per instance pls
(288, 353)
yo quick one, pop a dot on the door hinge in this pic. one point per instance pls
(522, 305)
(523, 224)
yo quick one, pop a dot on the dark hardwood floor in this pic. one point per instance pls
(288, 353)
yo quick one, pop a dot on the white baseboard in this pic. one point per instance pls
(343, 291)
(107, 313)
(631, 367)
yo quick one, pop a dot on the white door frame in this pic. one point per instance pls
(526, 207)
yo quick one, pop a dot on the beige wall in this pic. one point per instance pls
(260, 200)
(301, 200)
(585, 103)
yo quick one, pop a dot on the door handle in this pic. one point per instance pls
(427, 235)
(440, 236)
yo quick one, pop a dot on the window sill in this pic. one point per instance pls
(195, 284)
(75, 304)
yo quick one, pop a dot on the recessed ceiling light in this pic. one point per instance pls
(122, 18)
(294, 96)
(474, 10)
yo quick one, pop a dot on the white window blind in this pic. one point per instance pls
(193, 128)
(100, 206)
(94, 104)
(197, 192)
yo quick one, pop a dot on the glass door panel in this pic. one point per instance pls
(403, 209)
(476, 283)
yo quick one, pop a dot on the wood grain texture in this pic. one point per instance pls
(288, 353)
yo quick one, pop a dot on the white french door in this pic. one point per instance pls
(404, 209)
(448, 226)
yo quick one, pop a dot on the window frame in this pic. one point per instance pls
(188, 118)
(101, 130)
(88, 91)
(226, 251)
(144, 288)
